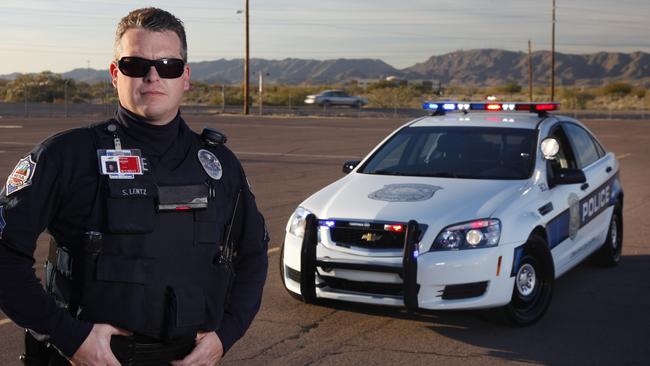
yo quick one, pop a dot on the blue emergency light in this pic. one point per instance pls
(440, 108)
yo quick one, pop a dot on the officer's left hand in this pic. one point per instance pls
(208, 351)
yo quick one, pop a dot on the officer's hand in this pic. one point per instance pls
(96, 349)
(208, 351)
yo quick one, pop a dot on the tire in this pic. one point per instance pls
(326, 103)
(609, 254)
(533, 288)
(281, 262)
(356, 105)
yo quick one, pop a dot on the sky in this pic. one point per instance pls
(61, 35)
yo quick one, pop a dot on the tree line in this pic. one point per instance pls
(48, 87)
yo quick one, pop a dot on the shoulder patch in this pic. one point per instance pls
(210, 164)
(21, 176)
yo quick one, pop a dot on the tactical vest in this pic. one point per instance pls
(152, 259)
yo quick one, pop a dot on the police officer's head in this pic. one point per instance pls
(150, 68)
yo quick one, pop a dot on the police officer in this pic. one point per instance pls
(149, 220)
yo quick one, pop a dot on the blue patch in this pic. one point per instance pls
(519, 252)
(3, 223)
(558, 229)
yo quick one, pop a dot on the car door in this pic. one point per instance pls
(564, 207)
(596, 204)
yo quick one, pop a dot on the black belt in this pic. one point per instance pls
(139, 350)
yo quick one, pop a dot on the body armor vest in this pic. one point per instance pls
(149, 264)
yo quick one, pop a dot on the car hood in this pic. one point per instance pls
(433, 201)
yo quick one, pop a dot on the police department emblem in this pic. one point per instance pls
(574, 215)
(406, 192)
(211, 164)
(21, 176)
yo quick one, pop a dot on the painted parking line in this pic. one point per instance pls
(273, 250)
(15, 143)
(296, 155)
(5, 321)
(623, 156)
(11, 126)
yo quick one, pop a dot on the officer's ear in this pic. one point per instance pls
(112, 68)
(186, 78)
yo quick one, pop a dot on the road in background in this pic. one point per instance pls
(598, 316)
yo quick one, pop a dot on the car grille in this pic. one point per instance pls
(464, 291)
(372, 237)
(376, 288)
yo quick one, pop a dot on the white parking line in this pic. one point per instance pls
(5, 321)
(623, 156)
(18, 143)
(296, 155)
(11, 126)
(273, 250)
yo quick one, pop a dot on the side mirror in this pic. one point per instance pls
(349, 165)
(568, 176)
(550, 147)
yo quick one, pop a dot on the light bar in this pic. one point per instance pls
(447, 106)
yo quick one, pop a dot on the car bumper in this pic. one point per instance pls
(467, 279)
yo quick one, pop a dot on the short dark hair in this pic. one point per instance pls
(152, 19)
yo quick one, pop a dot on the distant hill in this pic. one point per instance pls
(483, 67)
(492, 67)
(292, 70)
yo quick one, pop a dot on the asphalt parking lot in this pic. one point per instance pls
(598, 316)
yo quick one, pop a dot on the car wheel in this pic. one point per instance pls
(282, 274)
(533, 288)
(326, 103)
(610, 253)
(357, 104)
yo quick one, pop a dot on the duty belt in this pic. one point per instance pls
(139, 350)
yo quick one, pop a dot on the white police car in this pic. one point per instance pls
(475, 209)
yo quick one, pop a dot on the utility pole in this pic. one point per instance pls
(553, 56)
(246, 61)
(530, 73)
(261, 93)
(223, 98)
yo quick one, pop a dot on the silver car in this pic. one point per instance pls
(335, 97)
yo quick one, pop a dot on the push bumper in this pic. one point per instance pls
(434, 280)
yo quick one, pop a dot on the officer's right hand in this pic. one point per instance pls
(96, 349)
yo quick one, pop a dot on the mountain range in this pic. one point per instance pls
(482, 67)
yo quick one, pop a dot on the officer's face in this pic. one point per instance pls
(151, 97)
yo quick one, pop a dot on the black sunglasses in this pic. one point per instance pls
(136, 67)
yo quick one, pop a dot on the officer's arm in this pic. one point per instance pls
(251, 264)
(27, 205)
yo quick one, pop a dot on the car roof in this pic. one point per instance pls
(482, 119)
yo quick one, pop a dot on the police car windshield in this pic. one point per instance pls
(456, 152)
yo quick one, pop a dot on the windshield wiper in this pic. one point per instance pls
(385, 172)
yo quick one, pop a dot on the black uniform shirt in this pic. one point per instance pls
(57, 194)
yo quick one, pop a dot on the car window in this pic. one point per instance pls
(583, 144)
(564, 158)
(456, 152)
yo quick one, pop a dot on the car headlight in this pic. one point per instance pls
(469, 235)
(298, 221)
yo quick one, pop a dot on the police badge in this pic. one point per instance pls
(21, 176)
(210, 164)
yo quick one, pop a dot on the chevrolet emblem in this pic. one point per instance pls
(371, 237)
